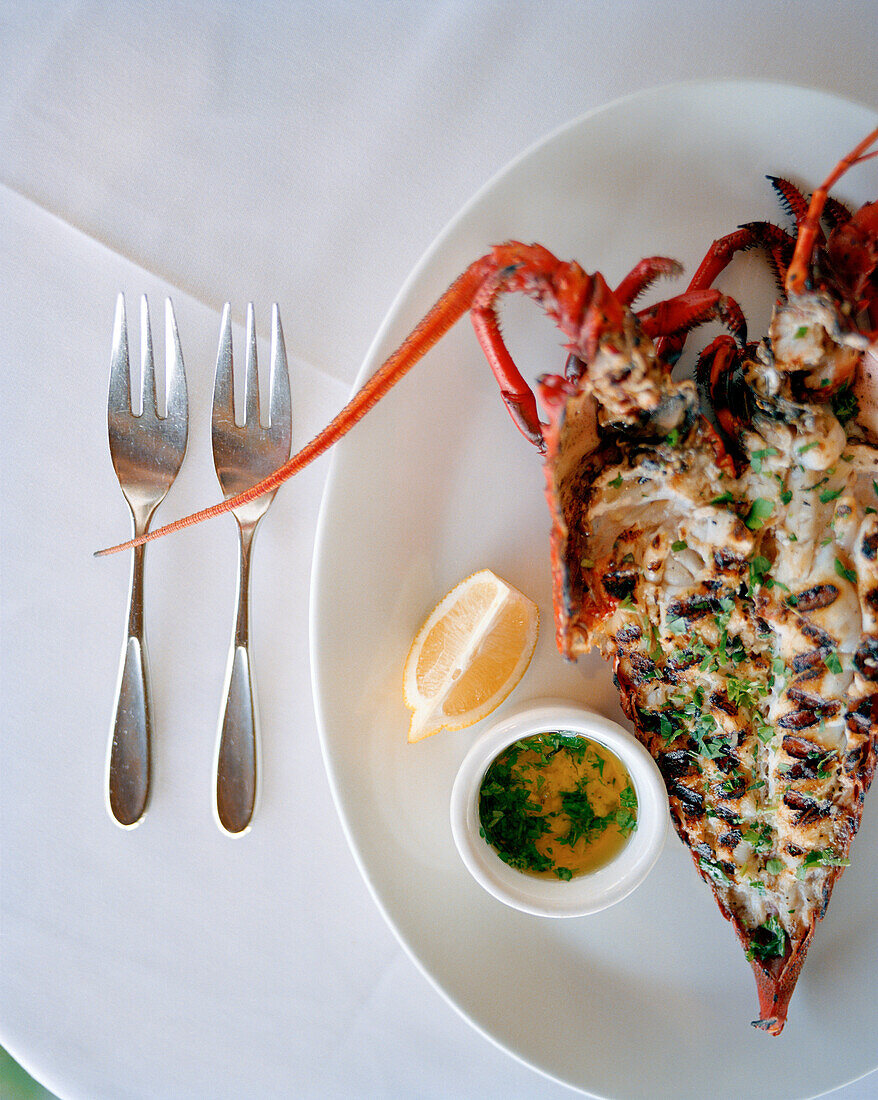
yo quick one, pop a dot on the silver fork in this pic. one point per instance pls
(147, 450)
(244, 455)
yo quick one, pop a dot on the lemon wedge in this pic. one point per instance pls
(470, 653)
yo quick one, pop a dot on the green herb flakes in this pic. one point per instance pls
(820, 857)
(768, 940)
(759, 512)
(843, 571)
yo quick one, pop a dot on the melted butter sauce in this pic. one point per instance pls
(557, 805)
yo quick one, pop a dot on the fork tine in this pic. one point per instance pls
(279, 408)
(120, 376)
(223, 388)
(175, 382)
(147, 363)
(251, 386)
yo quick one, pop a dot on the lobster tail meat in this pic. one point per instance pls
(739, 615)
(733, 585)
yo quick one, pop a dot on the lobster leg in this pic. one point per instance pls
(644, 275)
(715, 368)
(691, 308)
(777, 243)
(516, 393)
(809, 229)
(791, 198)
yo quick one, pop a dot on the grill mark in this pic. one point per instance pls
(730, 839)
(642, 667)
(802, 769)
(866, 659)
(801, 748)
(864, 712)
(628, 633)
(728, 814)
(724, 559)
(808, 809)
(721, 700)
(870, 546)
(854, 758)
(795, 850)
(798, 720)
(727, 762)
(681, 663)
(691, 801)
(826, 708)
(693, 607)
(676, 764)
(821, 637)
(812, 599)
(731, 789)
(806, 662)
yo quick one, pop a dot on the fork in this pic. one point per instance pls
(244, 454)
(147, 450)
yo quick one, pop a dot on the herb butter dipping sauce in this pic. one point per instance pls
(557, 805)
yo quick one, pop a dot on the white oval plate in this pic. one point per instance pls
(653, 997)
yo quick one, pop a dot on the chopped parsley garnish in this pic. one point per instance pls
(786, 496)
(768, 940)
(844, 404)
(668, 731)
(759, 836)
(843, 571)
(713, 871)
(829, 494)
(727, 498)
(774, 866)
(807, 446)
(673, 437)
(820, 857)
(758, 457)
(801, 332)
(759, 512)
(832, 662)
(541, 794)
(616, 482)
(764, 731)
(676, 624)
(679, 545)
(745, 692)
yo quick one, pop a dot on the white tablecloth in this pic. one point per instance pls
(305, 153)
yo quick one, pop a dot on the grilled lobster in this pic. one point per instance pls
(716, 539)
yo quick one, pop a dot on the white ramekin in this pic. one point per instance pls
(585, 893)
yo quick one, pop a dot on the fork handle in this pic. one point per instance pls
(128, 768)
(237, 745)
